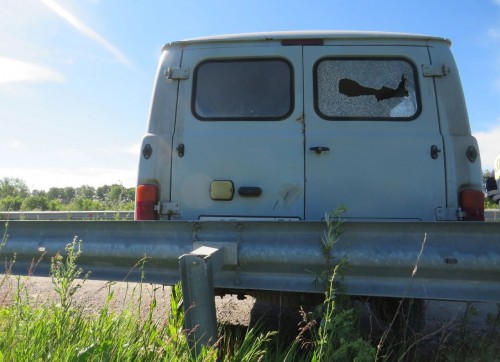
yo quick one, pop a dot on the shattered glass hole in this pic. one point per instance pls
(366, 89)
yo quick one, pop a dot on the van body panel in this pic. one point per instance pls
(156, 168)
(376, 168)
(274, 126)
(454, 122)
(348, 37)
(262, 153)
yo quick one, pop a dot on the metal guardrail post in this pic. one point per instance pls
(197, 276)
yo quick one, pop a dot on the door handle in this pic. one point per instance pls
(435, 152)
(319, 149)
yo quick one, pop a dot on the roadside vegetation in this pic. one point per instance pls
(15, 195)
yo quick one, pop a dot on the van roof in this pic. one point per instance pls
(312, 34)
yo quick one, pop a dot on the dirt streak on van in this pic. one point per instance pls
(290, 125)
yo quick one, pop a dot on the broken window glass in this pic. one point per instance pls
(366, 89)
(243, 89)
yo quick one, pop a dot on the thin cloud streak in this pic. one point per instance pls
(85, 30)
(13, 71)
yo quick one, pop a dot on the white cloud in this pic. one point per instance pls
(117, 150)
(12, 70)
(489, 146)
(135, 149)
(14, 144)
(85, 30)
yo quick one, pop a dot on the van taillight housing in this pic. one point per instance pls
(472, 204)
(146, 200)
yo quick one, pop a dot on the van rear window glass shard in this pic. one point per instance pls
(255, 89)
(366, 89)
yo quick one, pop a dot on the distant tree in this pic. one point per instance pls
(55, 205)
(63, 194)
(39, 193)
(11, 203)
(13, 187)
(69, 194)
(131, 194)
(120, 198)
(55, 193)
(35, 203)
(86, 192)
(102, 194)
(115, 195)
(81, 204)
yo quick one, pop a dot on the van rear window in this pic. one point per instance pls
(366, 89)
(253, 89)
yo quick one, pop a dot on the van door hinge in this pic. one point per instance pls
(170, 208)
(175, 73)
(435, 70)
(448, 214)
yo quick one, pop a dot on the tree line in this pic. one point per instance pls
(15, 195)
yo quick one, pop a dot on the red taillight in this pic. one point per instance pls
(472, 203)
(146, 199)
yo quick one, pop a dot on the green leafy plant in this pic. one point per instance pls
(338, 337)
(64, 272)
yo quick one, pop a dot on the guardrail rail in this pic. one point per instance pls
(457, 261)
(489, 215)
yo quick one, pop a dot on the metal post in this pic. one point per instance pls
(197, 271)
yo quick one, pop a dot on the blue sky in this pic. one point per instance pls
(76, 75)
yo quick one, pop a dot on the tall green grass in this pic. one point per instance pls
(62, 331)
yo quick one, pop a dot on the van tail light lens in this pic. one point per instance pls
(472, 203)
(146, 199)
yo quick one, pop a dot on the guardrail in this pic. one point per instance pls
(492, 215)
(489, 215)
(459, 261)
(440, 260)
(67, 215)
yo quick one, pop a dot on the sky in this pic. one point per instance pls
(76, 76)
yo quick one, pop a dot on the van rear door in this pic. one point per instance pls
(373, 141)
(238, 146)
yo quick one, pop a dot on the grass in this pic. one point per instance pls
(61, 331)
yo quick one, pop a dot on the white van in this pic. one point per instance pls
(290, 125)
